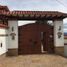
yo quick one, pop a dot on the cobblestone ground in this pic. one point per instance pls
(45, 60)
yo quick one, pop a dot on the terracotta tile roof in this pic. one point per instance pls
(4, 8)
(41, 14)
(34, 14)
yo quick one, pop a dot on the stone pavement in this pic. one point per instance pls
(43, 60)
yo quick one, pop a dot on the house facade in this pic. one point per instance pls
(35, 38)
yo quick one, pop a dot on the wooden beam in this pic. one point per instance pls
(42, 16)
(32, 15)
(54, 15)
(59, 15)
(48, 16)
(26, 15)
(37, 15)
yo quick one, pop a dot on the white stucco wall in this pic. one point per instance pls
(58, 41)
(13, 43)
(3, 40)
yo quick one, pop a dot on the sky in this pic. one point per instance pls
(37, 5)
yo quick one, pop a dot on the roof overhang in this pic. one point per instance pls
(32, 15)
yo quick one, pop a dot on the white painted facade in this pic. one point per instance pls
(7, 42)
(58, 41)
(3, 40)
(13, 43)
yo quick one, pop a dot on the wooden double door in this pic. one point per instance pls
(35, 38)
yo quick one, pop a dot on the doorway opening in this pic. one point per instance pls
(34, 38)
(43, 42)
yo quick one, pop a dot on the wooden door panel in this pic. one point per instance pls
(30, 39)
